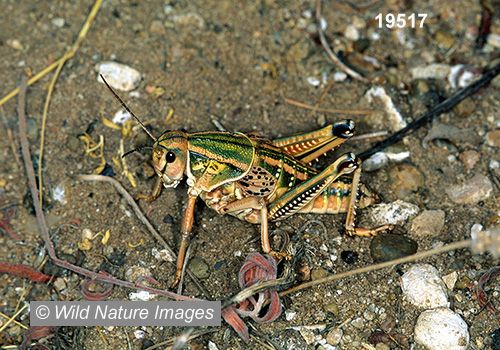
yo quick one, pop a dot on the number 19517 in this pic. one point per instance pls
(400, 20)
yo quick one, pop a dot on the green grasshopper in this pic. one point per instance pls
(258, 180)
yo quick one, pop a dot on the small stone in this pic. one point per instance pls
(60, 284)
(450, 280)
(308, 335)
(369, 315)
(73, 144)
(405, 180)
(395, 213)
(351, 32)
(423, 287)
(444, 39)
(190, 19)
(15, 44)
(163, 254)
(156, 27)
(382, 346)
(465, 108)
(462, 283)
(462, 75)
(469, 158)
(332, 307)
(386, 247)
(321, 121)
(349, 256)
(493, 138)
(135, 274)
(318, 273)
(388, 324)
(441, 329)
(476, 189)
(334, 336)
(432, 71)
(428, 223)
(375, 162)
(58, 22)
(358, 323)
(199, 268)
(119, 76)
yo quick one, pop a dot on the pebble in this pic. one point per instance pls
(163, 254)
(334, 336)
(60, 284)
(462, 283)
(308, 335)
(332, 307)
(351, 32)
(199, 268)
(486, 240)
(476, 189)
(450, 280)
(423, 287)
(119, 76)
(469, 158)
(191, 18)
(134, 273)
(395, 213)
(395, 120)
(73, 144)
(349, 256)
(493, 138)
(395, 153)
(428, 223)
(444, 39)
(58, 22)
(465, 108)
(405, 180)
(386, 247)
(358, 323)
(441, 329)
(431, 71)
(15, 44)
(462, 75)
(318, 273)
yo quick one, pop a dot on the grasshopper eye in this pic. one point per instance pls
(344, 129)
(170, 157)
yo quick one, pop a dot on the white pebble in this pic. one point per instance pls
(339, 76)
(58, 22)
(351, 33)
(375, 162)
(163, 254)
(139, 334)
(433, 71)
(395, 213)
(142, 295)
(441, 329)
(119, 76)
(424, 288)
(313, 81)
(121, 117)
(396, 121)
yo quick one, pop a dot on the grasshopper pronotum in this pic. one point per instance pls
(258, 180)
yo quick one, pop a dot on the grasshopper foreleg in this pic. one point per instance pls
(187, 225)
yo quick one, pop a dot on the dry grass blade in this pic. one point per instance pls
(329, 51)
(425, 254)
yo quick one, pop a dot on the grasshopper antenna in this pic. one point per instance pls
(128, 110)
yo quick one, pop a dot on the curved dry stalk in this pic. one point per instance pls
(331, 54)
(425, 254)
(142, 218)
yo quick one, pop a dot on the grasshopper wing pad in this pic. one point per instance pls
(218, 157)
(257, 182)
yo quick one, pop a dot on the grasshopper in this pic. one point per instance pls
(258, 180)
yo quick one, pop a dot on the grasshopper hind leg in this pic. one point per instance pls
(351, 211)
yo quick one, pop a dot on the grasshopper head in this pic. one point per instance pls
(170, 156)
